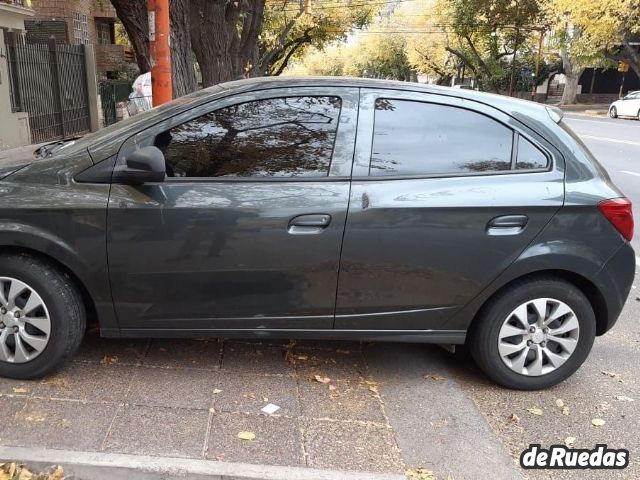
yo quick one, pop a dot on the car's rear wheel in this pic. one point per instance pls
(534, 334)
(613, 112)
(42, 317)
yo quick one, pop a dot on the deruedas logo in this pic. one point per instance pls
(559, 456)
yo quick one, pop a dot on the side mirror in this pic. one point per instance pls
(144, 165)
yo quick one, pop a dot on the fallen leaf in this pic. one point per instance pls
(597, 422)
(610, 374)
(57, 474)
(535, 411)
(569, 441)
(435, 377)
(249, 396)
(374, 389)
(302, 358)
(216, 391)
(565, 410)
(622, 398)
(513, 418)
(212, 410)
(559, 403)
(332, 387)
(107, 360)
(25, 474)
(321, 379)
(20, 390)
(246, 435)
(419, 474)
(344, 352)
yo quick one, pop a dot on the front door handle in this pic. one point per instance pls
(309, 224)
(507, 224)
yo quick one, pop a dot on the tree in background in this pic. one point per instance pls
(233, 39)
(604, 25)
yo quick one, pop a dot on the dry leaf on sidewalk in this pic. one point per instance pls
(622, 398)
(559, 403)
(435, 377)
(535, 411)
(569, 441)
(321, 379)
(20, 390)
(565, 410)
(597, 422)
(107, 360)
(246, 435)
(513, 418)
(419, 474)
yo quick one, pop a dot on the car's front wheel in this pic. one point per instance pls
(42, 317)
(613, 112)
(534, 334)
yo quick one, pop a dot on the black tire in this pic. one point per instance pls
(484, 332)
(613, 112)
(66, 311)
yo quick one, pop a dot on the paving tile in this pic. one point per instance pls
(249, 393)
(336, 364)
(278, 440)
(87, 382)
(124, 350)
(9, 406)
(351, 446)
(158, 431)
(256, 359)
(58, 424)
(346, 401)
(168, 387)
(184, 353)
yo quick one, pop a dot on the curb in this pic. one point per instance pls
(116, 466)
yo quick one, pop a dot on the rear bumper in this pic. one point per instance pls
(614, 282)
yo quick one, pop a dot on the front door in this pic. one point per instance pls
(446, 193)
(245, 232)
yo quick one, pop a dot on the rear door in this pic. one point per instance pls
(445, 194)
(246, 230)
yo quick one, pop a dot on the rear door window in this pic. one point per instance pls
(419, 138)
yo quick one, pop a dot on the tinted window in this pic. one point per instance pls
(280, 137)
(529, 156)
(413, 138)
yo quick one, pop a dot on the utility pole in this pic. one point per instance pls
(159, 52)
(538, 56)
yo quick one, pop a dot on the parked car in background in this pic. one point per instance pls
(628, 106)
(320, 208)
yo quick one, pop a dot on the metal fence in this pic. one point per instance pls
(49, 81)
(112, 92)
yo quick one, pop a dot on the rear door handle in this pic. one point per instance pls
(507, 224)
(309, 224)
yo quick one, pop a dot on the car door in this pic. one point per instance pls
(629, 105)
(446, 193)
(246, 230)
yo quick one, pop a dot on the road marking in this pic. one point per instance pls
(614, 140)
(635, 174)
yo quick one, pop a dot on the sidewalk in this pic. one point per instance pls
(595, 109)
(343, 406)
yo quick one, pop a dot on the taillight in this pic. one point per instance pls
(618, 211)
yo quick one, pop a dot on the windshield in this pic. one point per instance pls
(131, 122)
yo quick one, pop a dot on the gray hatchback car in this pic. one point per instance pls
(319, 208)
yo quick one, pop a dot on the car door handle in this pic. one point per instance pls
(507, 224)
(309, 224)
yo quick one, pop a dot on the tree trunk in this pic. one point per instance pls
(182, 73)
(631, 53)
(224, 37)
(572, 72)
(133, 15)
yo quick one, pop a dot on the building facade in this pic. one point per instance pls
(14, 131)
(81, 22)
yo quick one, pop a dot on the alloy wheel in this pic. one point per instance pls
(25, 326)
(538, 336)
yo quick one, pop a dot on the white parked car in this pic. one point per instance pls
(627, 106)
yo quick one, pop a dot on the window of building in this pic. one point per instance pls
(417, 138)
(279, 137)
(80, 28)
(103, 31)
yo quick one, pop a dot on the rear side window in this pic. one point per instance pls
(529, 156)
(278, 137)
(417, 138)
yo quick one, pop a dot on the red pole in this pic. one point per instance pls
(159, 52)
